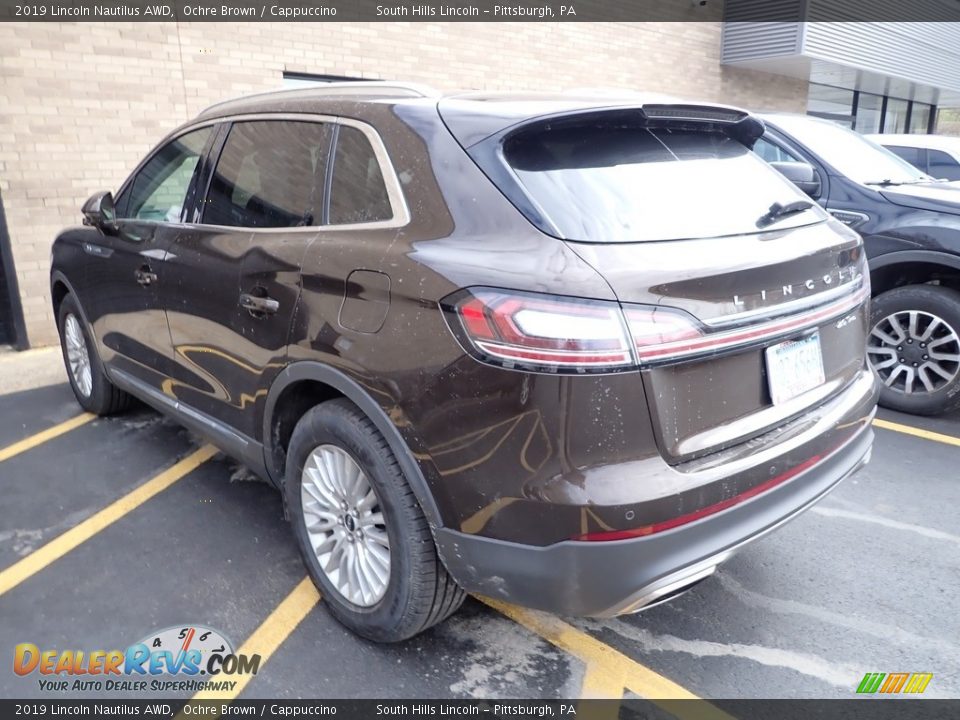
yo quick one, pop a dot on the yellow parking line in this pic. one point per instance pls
(600, 658)
(917, 432)
(270, 635)
(599, 683)
(61, 545)
(41, 437)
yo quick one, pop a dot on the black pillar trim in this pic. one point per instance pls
(20, 341)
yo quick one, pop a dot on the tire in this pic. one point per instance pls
(919, 363)
(90, 385)
(417, 592)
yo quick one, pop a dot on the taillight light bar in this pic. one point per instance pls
(544, 333)
(713, 342)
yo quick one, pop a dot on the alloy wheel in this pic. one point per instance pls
(343, 519)
(914, 352)
(78, 355)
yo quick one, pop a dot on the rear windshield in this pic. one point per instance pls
(622, 182)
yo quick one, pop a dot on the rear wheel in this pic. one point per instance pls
(914, 345)
(362, 534)
(92, 388)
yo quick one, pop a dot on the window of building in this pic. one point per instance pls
(868, 113)
(831, 103)
(269, 175)
(158, 191)
(895, 118)
(358, 193)
(920, 118)
(942, 165)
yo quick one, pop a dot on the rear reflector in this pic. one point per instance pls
(702, 512)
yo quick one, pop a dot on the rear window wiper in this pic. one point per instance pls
(779, 211)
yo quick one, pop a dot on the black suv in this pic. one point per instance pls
(910, 224)
(565, 351)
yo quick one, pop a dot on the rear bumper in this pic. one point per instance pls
(604, 579)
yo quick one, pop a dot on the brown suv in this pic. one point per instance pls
(567, 351)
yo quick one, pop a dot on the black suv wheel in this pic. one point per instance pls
(914, 345)
(362, 534)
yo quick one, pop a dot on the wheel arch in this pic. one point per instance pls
(60, 287)
(305, 384)
(914, 267)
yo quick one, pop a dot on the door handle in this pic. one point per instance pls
(258, 305)
(145, 276)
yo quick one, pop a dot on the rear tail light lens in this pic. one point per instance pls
(526, 331)
(544, 333)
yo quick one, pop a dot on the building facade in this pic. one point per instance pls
(80, 104)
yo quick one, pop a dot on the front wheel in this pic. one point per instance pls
(360, 529)
(914, 345)
(90, 385)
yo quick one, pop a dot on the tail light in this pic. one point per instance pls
(543, 333)
(533, 332)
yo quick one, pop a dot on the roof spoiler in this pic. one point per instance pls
(739, 124)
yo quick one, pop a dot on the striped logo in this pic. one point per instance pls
(894, 683)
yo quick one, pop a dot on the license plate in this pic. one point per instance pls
(793, 367)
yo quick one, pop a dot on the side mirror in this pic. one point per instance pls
(99, 212)
(801, 174)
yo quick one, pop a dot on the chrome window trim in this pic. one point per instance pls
(398, 203)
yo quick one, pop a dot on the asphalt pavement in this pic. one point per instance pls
(111, 529)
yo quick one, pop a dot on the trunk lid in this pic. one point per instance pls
(710, 402)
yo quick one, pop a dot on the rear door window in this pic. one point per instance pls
(270, 175)
(620, 181)
(358, 193)
(912, 155)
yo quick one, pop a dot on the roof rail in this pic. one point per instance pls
(361, 87)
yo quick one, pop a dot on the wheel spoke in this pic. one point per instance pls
(914, 319)
(942, 341)
(378, 536)
(945, 357)
(885, 337)
(894, 321)
(942, 372)
(935, 322)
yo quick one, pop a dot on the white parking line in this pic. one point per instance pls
(885, 522)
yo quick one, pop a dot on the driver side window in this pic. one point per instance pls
(160, 188)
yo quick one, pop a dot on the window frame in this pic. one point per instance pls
(398, 205)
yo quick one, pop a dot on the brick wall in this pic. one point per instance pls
(80, 104)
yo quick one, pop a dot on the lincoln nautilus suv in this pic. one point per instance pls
(567, 351)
